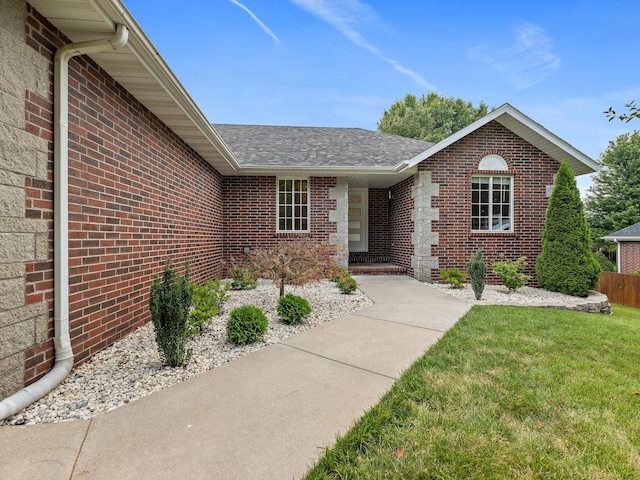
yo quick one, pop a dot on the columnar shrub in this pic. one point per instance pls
(293, 309)
(511, 273)
(169, 303)
(453, 277)
(246, 324)
(477, 269)
(208, 300)
(566, 263)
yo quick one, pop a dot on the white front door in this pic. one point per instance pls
(358, 220)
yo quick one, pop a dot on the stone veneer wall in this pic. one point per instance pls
(23, 163)
(137, 195)
(423, 237)
(340, 216)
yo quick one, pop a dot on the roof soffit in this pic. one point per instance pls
(140, 69)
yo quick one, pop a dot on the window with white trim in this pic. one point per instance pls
(491, 203)
(293, 205)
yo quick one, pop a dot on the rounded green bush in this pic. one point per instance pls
(246, 324)
(293, 309)
(347, 284)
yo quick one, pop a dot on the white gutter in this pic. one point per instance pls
(61, 340)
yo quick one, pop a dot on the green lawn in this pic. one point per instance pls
(508, 393)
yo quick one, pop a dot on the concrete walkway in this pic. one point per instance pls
(265, 416)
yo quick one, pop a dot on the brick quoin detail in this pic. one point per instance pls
(250, 214)
(452, 169)
(137, 195)
(629, 253)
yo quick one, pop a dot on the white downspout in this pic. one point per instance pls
(62, 341)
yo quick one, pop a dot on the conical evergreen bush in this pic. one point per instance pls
(566, 263)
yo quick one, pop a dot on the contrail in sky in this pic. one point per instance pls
(266, 29)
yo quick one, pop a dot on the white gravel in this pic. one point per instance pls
(131, 368)
(495, 295)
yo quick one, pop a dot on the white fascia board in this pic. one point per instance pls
(152, 61)
(506, 109)
(318, 171)
(621, 239)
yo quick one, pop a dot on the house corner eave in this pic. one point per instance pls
(142, 71)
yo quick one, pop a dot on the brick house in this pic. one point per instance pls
(628, 248)
(94, 199)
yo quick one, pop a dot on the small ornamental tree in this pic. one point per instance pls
(566, 263)
(293, 263)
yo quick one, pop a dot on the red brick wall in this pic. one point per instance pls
(452, 169)
(629, 253)
(137, 194)
(401, 224)
(378, 251)
(250, 213)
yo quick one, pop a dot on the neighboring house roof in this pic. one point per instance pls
(265, 145)
(629, 234)
(140, 69)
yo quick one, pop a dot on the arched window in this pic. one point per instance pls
(492, 197)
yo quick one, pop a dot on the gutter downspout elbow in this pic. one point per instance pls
(62, 340)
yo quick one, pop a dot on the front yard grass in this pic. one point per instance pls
(508, 393)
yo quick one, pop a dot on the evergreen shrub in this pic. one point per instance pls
(453, 277)
(208, 300)
(477, 269)
(242, 278)
(566, 263)
(169, 302)
(293, 309)
(606, 265)
(246, 324)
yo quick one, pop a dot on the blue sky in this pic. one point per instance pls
(341, 63)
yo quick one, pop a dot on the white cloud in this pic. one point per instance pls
(527, 62)
(266, 29)
(345, 16)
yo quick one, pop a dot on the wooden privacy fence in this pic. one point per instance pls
(621, 288)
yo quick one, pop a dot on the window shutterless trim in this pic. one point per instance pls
(293, 205)
(476, 216)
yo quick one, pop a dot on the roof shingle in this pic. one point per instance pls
(632, 231)
(265, 145)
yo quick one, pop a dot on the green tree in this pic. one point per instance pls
(613, 201)
(566, 263)
(430, 118)
(634, 112)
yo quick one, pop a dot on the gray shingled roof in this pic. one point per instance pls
(632, 231)
(264, 145)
